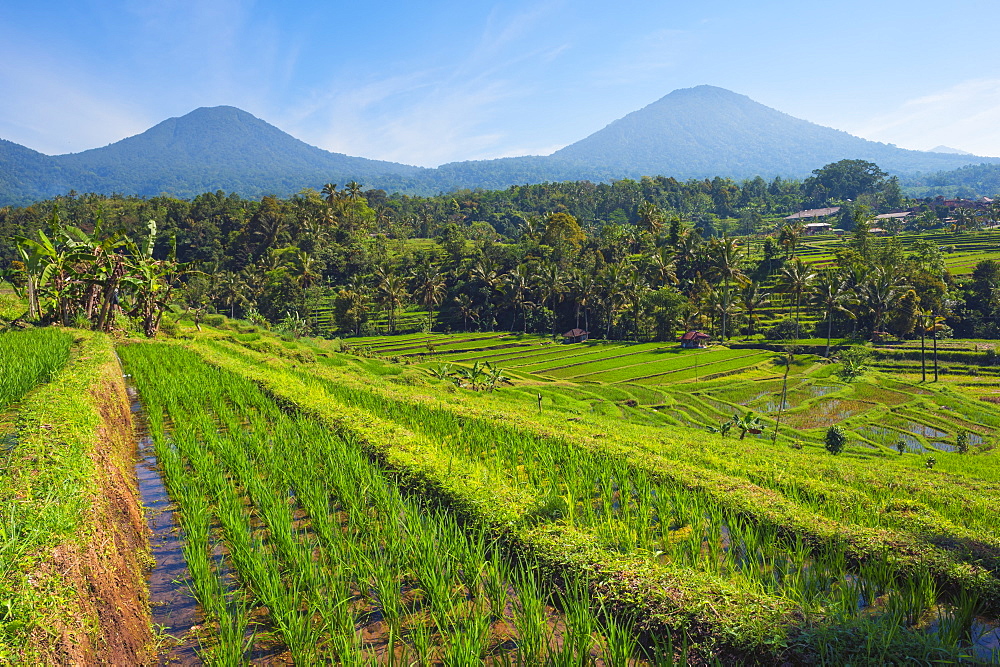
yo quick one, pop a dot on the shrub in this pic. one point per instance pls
(836, 439)
(785, 330)
(853, 362)
(962, 442)
(929, 462)
(215, 320)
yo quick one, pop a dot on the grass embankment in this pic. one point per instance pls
(769, 626)
(72, 536)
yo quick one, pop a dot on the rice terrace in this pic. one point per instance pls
(327, 430)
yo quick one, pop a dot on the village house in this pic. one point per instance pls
(693, 339)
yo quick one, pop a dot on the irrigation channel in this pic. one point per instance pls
(173, 609)
(301, 549)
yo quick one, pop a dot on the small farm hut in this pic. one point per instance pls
(575, 336)
(694, 339)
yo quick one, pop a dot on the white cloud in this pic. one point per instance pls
(964, 116)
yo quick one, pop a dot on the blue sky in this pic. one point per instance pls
(432, 82)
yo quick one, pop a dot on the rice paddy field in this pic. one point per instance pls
(356, 502)
(351, 504)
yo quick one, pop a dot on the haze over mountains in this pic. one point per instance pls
(696, 132)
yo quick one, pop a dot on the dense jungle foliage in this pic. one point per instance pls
(630, 259)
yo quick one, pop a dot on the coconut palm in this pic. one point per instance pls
(390, 294)
(831, 296)
(428, 287)
(634, 290)
(879, 295)
(516, 286)
(330, 194)
(612, 281)
(725, 261)
(663, 266)
(353, 191)
(789, 237)
(651, 217)
(752, 298)
(551, 285)
(584, 288)
(467, 308)
(796, 277)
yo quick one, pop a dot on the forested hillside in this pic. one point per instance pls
(632, 259)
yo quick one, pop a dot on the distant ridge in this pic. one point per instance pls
(691, 133)
(949, 150)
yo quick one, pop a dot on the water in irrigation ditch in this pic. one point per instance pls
(175, 612)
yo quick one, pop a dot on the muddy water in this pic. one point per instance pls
(175, 612)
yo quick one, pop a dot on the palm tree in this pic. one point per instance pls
(232, 291)
(752, 299)
(466, 307)
(650, 217)
(517, 284)
(353, 191)
(428, 287)
(390, 294)
(931, 324)
(634, 291)
(832, 296)
(879, 294)
(725, 258)
(612, 281)
(796, 278)
(551, 285)
(304, 265)
(789, 237)
(484, 271)
(664, 267)
(330, 194)
(583, 285)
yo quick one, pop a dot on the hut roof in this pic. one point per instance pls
(573, 333)
(695, 335)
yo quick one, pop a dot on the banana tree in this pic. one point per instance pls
(151, 281)
(748, 423)
(50, 268)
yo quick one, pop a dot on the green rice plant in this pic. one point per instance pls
(422, 640)
(622, 501)
(29, 357)
(956, 621)
(620, 644)
(581, 625)
(233, 640)
(465, 640)
(495, 583)
(530, 620)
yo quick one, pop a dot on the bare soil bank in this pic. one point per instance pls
(100, 614)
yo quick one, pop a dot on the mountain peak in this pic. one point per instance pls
(707, 131)
(699, 132)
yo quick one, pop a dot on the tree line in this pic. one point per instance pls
(630, 259)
